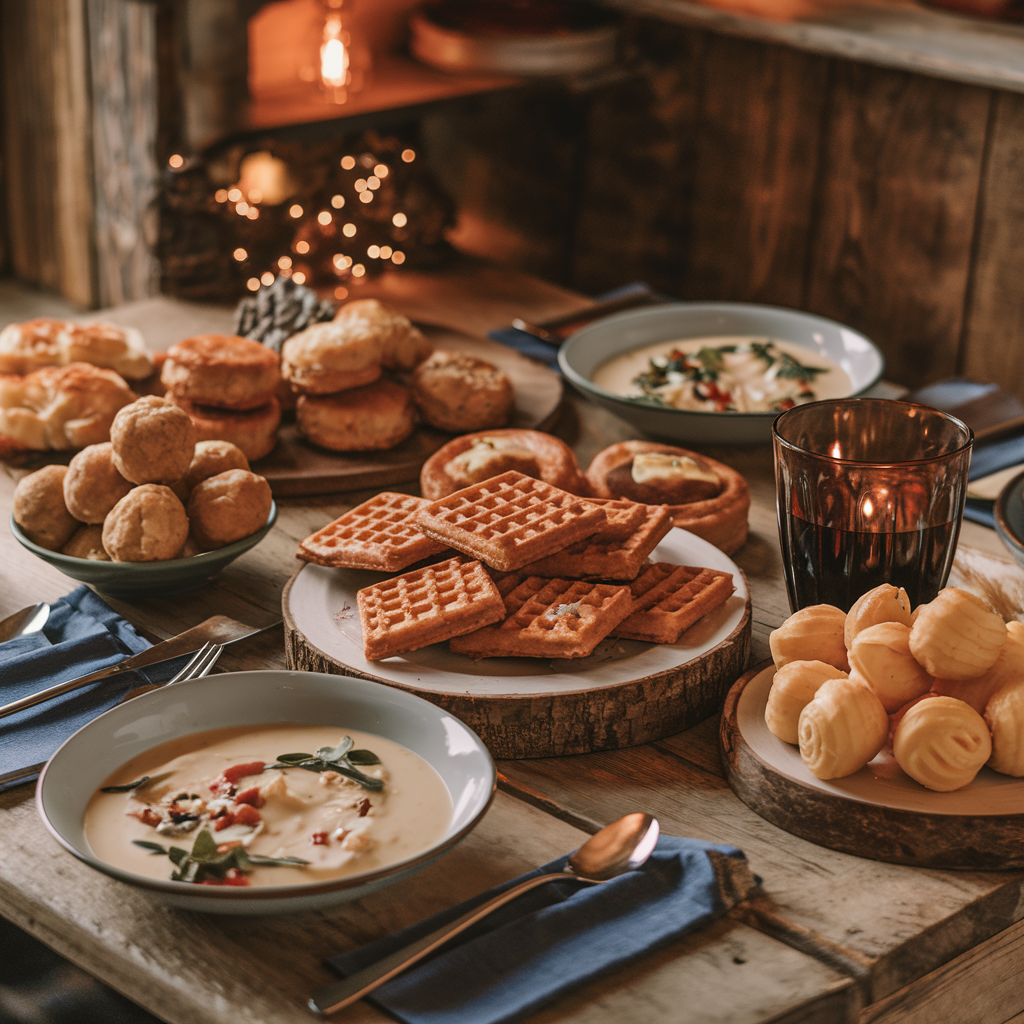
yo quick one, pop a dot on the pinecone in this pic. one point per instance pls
(278, 311)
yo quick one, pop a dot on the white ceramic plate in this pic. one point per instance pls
(76, 770)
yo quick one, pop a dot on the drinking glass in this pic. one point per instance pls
(869, 491)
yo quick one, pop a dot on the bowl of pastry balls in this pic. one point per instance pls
(151, 511)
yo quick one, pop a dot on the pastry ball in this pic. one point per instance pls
(880, 656)
(1008, 669)
(39, 508)
(373, 418)
(883, 604)
(210, 458)
(87, 542)
(842, 728)
(793, 688)
(227, 507)
(221, 370)
(458, 392)
(327, 358)
(1004, 716)
(254, 431)
(153, 440)
(957, 636)
(814, 633)
(147, 525)
(942, 743)
(93, 486)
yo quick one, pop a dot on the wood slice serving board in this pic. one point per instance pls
(879, 811)
(625, 693)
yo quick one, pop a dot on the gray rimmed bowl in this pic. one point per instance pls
(81, 764)
(589, 347)
(1009, 516)
(139, 579)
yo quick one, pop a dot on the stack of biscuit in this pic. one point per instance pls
(529, 570)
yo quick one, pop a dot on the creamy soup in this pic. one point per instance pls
(212, 792)
(723, 374)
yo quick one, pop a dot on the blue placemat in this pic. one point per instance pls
(557, 936)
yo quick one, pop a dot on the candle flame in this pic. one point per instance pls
(334, 56)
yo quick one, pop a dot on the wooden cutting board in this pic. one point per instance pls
(878, 812)
(625, 693)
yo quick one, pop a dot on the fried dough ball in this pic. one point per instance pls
(885, 603)
(210, 458)
(814, 633)
(153, 440)
(942, 743)
(458, 392)
(880, 656)
(957, 636)
(93, 486)
(87, 542)
(40, 511)
(227, 507)
(842, 728)
(793, 688)
(147, 525)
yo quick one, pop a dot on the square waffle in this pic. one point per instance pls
(668, 599)
(427, 605)
(601, 558)
(622, 516)
(509, 520)
(550, 619)
(379, 534)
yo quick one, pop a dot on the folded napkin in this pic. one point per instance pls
(83, 634)
(557, 936)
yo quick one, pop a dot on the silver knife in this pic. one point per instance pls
(218, 628)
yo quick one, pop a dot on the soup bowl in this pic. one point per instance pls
(79, 767)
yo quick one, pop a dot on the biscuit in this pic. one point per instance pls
(116, 348)
(459, 392)
(227, 507)
(87, 542)
(148, 524)
(475, 457)
(153, 441)
(373, 418)
(402, 346)
(662, 613)
(941, 743)
(221, 370)
(39, 508)
(31, 345)
(209, 459)
(721, 519)
(957, 636)
(327, 358)
(252, 431)
(93, 486)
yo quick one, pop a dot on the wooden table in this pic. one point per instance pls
(831, 938)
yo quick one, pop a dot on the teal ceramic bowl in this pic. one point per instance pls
(140, 579)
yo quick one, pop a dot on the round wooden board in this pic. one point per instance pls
(297, 467)
(878, 812)
(624, 694)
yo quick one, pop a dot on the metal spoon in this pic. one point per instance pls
(21, 623)
(619, 847)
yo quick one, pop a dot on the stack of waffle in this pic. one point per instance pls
(528, 570)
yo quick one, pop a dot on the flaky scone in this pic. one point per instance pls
(842, 728)
(153, 442)
(227, 507)
(116, 348)
(327, 358)
(39, 508)
(221, 370)
(402, 346)
(705, 497)
(253, 431)
(957, 636)
(884, 603)
(31, 345)
(814, 633)
(459, 392)
(148, 524)
(793, 688)
(942, 742)
(373, 418)
(880, 656)
(93, 486)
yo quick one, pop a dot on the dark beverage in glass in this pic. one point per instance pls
(869, 492)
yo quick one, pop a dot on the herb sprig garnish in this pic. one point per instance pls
(341, 759)
(205, 862)
(127, 787)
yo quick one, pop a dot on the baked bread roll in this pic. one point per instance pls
(814, 633)
(401, 345)
(39, 508)
(147, 525)
(957, 636)
(942, 742)
(221, 370)
(93, 486)
(842, 728)
(153, 442)
(793, 688)
(880, 656)
(885, 603)
(459, 392)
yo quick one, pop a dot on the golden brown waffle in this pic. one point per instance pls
(509, 520)
(668, 599)
(622, 517)
(550, 619)
(603, 559)
(379, 534)
(425, 606)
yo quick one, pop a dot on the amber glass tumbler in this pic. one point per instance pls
(869, 492)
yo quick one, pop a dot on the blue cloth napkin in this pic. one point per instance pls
(83, 634)
(557, 936)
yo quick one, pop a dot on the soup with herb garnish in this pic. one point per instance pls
(267, 805)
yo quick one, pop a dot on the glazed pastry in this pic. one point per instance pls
(459, 392)
(942, 742)
(210, 458)
(87, 542)
(93, 486)
(814, 633)
(880, 656)
(793, 688)
(227, 507)
(40, 511)
(885, 603)
(153, 442)
(147, 525)
(842, 728)
(957, 636)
